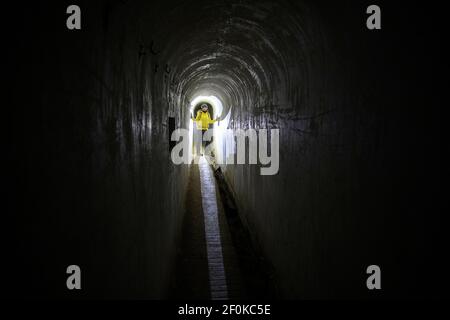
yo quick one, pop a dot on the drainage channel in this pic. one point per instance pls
(217, 277)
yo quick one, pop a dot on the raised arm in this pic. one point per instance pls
(198, 116)
(211, 120)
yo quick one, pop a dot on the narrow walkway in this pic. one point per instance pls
(217, 258)
(207, 265)
(217, 279)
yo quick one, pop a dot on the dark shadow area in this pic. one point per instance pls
(190, 280)
(257, 272)
(88, 180)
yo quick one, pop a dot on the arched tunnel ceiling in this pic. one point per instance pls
(88, 120)
(250, 54)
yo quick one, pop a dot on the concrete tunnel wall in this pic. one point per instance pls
(281, 65)
(94, 141)
(96, 158)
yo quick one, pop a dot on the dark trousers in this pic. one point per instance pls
(201, 144)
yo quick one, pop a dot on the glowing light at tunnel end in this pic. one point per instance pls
(224, 146)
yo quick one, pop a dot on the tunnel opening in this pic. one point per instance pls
(91, 152)
(198, 107)
(264, 72)
(216, 110)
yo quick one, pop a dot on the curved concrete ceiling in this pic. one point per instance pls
(249, 54)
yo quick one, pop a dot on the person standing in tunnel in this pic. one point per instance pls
(203, 120)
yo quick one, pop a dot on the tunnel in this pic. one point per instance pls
(90, 181)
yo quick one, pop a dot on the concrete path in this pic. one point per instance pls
(207, 264)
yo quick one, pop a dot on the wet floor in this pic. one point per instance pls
(217, 279)
(215, 260)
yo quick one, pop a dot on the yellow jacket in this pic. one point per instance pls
(203, 120)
